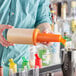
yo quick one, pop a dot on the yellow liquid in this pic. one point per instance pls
(73, 26)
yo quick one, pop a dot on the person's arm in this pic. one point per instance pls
(45, 27)
(43, 16)
(3, 42)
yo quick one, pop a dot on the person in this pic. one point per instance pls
(20, 14)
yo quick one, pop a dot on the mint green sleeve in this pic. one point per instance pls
(43, 13)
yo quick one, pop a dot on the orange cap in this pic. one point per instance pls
(35, 34)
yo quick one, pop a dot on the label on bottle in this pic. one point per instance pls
(45, 55)
(66, 27)
(46, 59)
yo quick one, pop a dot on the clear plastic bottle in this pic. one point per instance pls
(32, 50)
(55, 48)
(65, 21)
(63, 11)
(74, 45)
(74, 40)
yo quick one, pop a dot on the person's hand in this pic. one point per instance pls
(4, 42)
(45, 28)
(47, 31)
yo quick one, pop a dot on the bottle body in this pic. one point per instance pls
(25, 63)
(44, 54)
(63, 11)
(32, 56)
(73, 14)
(20, 36)
(12, 66)
(73, 25)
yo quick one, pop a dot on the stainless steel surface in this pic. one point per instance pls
(68, 64)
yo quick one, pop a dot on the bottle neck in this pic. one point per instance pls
(73, 12)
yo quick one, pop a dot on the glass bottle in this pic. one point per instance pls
(73, 14)
(65, 20)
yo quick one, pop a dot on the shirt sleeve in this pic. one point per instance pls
(43, 13)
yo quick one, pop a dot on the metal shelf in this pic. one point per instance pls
(44, 70)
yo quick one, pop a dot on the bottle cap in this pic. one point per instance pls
(11, 60)
(38, 61)
(25, 63)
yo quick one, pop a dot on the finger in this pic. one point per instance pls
(6, 42)
(10, 44)
(7, 27)
(45, 43)
(3, 44)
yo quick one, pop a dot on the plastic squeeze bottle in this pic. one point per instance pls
(38, 61)
(12, 66)
(31, 36)
(25, 63)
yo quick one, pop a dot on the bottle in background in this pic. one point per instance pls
(59, 4)
(65, 21)
(38, 61)
(32, 56)
(45, 54)
(68, 41)
(74, 45)
(55, 48)
(12, 66)
(36, 72)
(25, 63)
(66, 27)
(74, 40)
(73, 14)
(63, 11)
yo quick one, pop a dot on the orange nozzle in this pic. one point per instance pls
(46, 37)
(63, 41)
